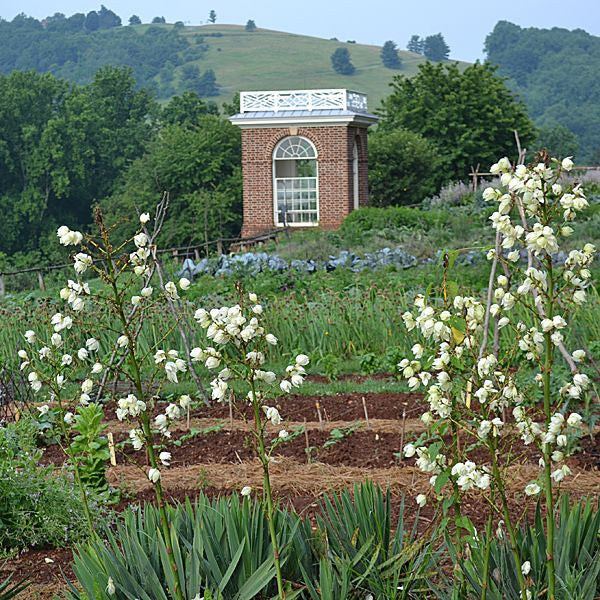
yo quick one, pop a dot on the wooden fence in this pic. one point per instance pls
(196, 252)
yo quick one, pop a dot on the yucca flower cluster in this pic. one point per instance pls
(472, 389)
(242, 343)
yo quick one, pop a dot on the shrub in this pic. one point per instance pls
(36, 508)
(404, 168)
(372, 218)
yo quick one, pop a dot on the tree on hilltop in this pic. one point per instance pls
(212, 16)
(92, 21)
(341, 63)
(389, 55)
(435, 48)
(107, 18)
(135, 20)
(415, 44)
(250, 25)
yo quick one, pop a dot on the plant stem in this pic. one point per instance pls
(76, 472)
(267, 493)
(144, 418)
(485, 579)
(547, 368)
(512, 536)
(457, 505)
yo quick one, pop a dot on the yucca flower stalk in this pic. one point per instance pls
(471, 389)
(240, 354)
(124, 297)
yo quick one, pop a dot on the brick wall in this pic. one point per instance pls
(334, 144)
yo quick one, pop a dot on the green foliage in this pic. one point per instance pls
(10, 590)
(90, 448)
(341, 62)
(389, 55)
(199, 167)
(435, 48)
(187, 110)
(61, 148)
(212, 16)
(576, 551)
(404, 168)
(372, 218)
(222, 545)
(204, 84)
(37, 508)
(330, 365)
(135, 20)
(469, 115)
(557, 140)
(369, 363)
(250, 25)
(545, 66)
(339, 434)
(388, 561)
(75, 49)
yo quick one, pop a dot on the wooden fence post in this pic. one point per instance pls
(41, 283)
(2, 288)
(219, 247)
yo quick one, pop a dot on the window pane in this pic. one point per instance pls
(296, 200)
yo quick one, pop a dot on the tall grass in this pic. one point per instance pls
(346, 323)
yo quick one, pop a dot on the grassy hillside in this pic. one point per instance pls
(267, 59)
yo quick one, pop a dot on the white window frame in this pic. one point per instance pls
(277, 179)
(355, 175)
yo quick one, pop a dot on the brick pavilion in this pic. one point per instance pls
(304, 157)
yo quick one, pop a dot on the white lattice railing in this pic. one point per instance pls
(303, 100)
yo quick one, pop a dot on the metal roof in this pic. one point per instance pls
(283, 114)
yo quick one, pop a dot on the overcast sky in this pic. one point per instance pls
(464, 23)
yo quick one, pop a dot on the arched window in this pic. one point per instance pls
(295, 182)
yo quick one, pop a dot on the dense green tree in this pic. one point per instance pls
(92, 21)
(187, 110)
(207, 85)
(199, 167)
(555, 71)
(469, 115)
(404, 168)
(66, 49)
(204, 84)
(76, 23)
(250, 25)
(158, 20)
(389, 56)
(135, 20)
(415, 44)
(63, 147)
(107, 18)
(212, 16)
(233, 107)
(435, 48)
(341, 62)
